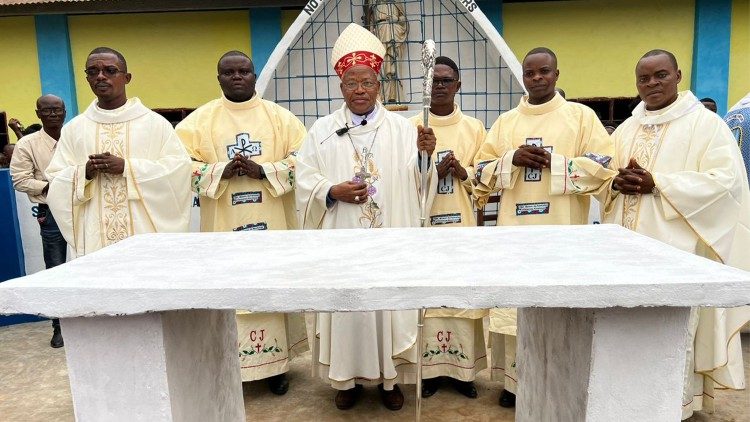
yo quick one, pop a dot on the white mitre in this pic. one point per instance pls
(357, 46)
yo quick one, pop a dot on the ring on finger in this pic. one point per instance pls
(356, 198)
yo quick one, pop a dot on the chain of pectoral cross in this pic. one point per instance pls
(363, 174)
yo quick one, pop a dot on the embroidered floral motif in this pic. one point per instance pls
(573, 175)
(259, 349)
(457, 352)
(197, 177)
(112, 138)
(372, 216)
(645, 148)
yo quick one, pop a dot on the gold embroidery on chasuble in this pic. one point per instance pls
(115, 212)
(645, 148)
(372, 216)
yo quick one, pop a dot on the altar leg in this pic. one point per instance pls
(611, 364)
(165, 366)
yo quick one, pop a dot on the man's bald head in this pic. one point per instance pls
(48, 99)
(50, 109)
(659, 52)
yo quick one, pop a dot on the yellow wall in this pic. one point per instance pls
(287, 19)
(598, 43)
(19, 72)
(172, 56)
(739, 59)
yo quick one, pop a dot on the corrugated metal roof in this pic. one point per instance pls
(22, 2)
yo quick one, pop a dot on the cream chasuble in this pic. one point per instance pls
(462, 135)
(580, 149)
(152, 194)
(703, 207)
(270, 135)
(366, 347)
(260, 130)
(454, 338)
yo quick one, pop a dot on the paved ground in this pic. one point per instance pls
(34, 387)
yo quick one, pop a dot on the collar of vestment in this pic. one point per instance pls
(357, 119)
(686, 103)
(243, 105)
(451, 119)
(131, 110)
(344, 116)
(536, 109)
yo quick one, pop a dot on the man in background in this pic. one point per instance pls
(32, 155)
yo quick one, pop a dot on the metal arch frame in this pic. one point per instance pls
(295, 29)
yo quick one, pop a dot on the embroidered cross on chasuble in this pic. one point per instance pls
(113, 201)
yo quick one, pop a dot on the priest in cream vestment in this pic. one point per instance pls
(243, 150)
(453, 339)
(546, 156)
(682, 181)
(358, 169)
(119, 169)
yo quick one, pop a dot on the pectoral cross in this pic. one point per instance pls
(362, 175)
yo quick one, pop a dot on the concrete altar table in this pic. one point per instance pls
(150, 333)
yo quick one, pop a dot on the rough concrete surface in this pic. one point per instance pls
(34, 387)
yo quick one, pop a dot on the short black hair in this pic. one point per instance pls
(107, 50)
(659, 52)
(234, 53)
(542, 50)
(446, 61)
(708, 100)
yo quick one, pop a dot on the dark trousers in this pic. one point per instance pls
(54, 246)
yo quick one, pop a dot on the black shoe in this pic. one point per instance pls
(346, 399)
(466, 388)
(57, 340)
(278, 384)
(507, 399)
(430, 386)
(393, 399)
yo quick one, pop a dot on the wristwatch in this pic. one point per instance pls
(655, 191)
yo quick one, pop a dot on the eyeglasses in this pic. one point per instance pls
(351, 86)
(48, 111)
(447, 82)
(109, 71)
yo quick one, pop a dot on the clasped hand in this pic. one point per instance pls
(532, 157)
(633, 179)
(241, 164)
(451, 165)
(104, 163)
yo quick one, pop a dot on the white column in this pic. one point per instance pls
(601, 364)
(166, 366)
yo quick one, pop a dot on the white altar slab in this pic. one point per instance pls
(603, 323)
(595, 266)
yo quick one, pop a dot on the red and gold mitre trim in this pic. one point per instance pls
(352, 59)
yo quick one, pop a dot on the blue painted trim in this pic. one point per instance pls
(493, 9)
(55, 60)
(265, 34)
(711, 42)
(11, 248)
